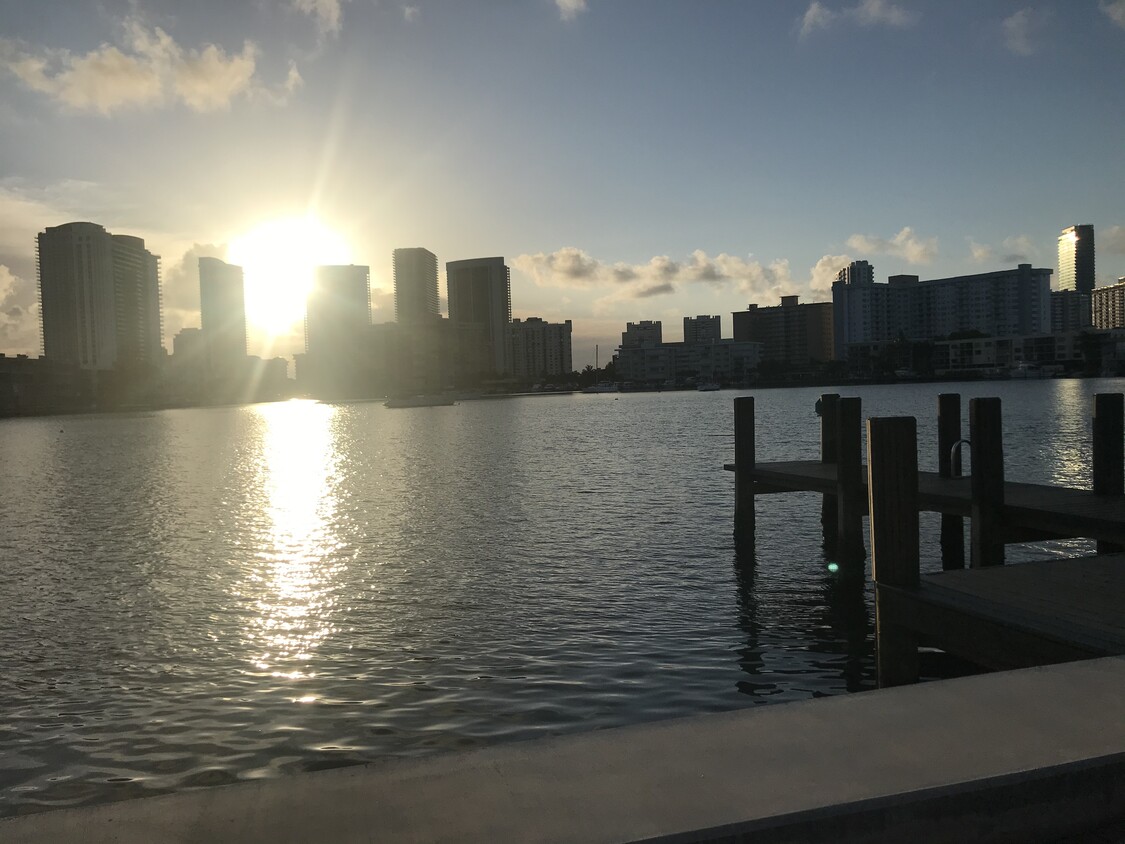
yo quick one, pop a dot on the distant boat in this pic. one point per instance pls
(607, 387)
(707, 387)
(419, 401)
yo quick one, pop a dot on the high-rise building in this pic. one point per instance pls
(1005, 303)
(222, 313)
(703, 329)
(480, 307)
(416, 286)
(540, 348)
(1109, 305)
(793, 334)
(338, 311)
(644, 334)
(100, 296)
(1076, 258)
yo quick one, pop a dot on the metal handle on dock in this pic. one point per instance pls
(955, 454)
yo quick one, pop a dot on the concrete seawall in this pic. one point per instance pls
(1025, 755)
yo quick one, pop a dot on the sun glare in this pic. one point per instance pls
(278, 259)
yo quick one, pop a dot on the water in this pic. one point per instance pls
(195, 597)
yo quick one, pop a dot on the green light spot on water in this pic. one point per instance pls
(833, 567)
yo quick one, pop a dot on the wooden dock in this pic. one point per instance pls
(996, 616)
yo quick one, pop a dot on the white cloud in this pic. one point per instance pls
(1018, 249)
(905, 245)
(1114, 10)
(749, 279)
(570, 9)
(817, 16)
(824, 272)
(1021, 29)
(411, 13)
(19, 314)
(866, 13)
(149, 69)
(328, 14)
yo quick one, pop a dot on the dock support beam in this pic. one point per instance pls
(892, 490)
(949, 432)
(986, 434)
(849, 481)
(1109, 452)
(829, 437)
(743, 467)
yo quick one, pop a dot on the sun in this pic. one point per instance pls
(278, 260)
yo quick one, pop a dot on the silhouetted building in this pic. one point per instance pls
(646, 333)
(416, 286)
(480, 308)
(791, 334)
(1108, 305)
(337, 319)
(100, 296)
(540, 349)
(222, 312)
(656, 364)
(703, 329)
(1004, 303)
(1070, 311)
(1076, 258)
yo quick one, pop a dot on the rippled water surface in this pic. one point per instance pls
(194, 597)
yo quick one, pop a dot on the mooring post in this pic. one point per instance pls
(1109, 452)
(743, 469)
(987, 486)
(892, 496)
(949, 432)
(849, 480)
(829, 437)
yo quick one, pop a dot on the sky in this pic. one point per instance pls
(631, 159)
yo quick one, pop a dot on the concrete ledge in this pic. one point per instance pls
(1023, 755)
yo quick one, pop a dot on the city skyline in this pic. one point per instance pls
(780, 142)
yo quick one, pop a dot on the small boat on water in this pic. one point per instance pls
(419, 401)
(707, 387)
(607, 387)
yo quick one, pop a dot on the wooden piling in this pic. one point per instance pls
(744, 518)
(1109, 452)
(987, 486)
(949, 432)
(849, 480)
(829, 438)
(892, 490)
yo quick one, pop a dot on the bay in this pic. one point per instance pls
(196, 597)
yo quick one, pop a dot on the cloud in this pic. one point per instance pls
(1021, 29)
(149, 69)
(867, 13)
(19, 314)
(825, 270)
(1111, 240)
(817, 16)
(1114, 10)
(1018, 249)
(570, 9)
(749, 279)
(328, 14)
(411, 13)
(905, 245)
